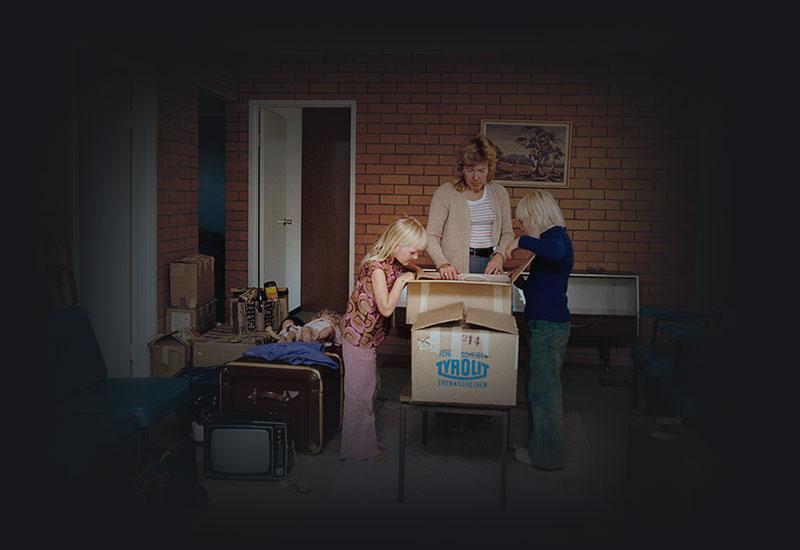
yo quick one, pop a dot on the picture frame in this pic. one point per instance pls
(530, 153)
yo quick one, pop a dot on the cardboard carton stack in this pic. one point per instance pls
(464, 339)
(193, 310)
(191, 294)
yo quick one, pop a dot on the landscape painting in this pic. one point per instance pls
(530, 153)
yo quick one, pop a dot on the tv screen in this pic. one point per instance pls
(246, 449)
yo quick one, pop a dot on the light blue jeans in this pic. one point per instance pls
(547, 346)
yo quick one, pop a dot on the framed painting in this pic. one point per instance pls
(530, 153)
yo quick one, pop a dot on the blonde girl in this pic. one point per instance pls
(385, 270)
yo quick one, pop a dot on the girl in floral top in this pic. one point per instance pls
(382, 275)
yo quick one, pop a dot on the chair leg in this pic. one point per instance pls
(142, 439)
(634, 377)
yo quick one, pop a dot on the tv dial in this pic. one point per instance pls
(278, 471)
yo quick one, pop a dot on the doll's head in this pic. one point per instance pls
(291, 321)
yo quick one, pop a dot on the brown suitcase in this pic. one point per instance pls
(309, 397)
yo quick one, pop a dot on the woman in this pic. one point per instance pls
(548, 326)
(469, 228)
(469, 223)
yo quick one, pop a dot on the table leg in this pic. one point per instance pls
(402, 454)
(503, 462)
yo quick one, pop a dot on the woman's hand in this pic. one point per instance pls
(495, 264)
(447, 271)
(512, 246)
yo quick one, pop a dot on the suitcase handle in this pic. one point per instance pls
(284, 397)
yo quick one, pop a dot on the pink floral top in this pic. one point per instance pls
(362, 323)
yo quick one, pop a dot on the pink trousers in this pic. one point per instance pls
(359, 438)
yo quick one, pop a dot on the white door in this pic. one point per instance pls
(115, 210)
(280, 196)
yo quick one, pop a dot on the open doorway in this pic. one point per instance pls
(302, 184)
(211, 166)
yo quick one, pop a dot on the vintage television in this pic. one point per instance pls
(247, 448)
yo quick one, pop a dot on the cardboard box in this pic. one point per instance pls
(168, 354)
(464, 355)
(201, 318)
(475, 290)
(220, 345)
(191, 281)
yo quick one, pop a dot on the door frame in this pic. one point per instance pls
(253, 235)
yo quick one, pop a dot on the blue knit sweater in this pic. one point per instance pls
(546, 287)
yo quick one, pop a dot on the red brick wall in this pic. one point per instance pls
(178, 151)
(629, 204)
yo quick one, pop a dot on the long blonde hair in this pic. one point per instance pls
(541, 207)
(404, 231)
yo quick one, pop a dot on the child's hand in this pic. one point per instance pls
(406, 276)
(512, 246)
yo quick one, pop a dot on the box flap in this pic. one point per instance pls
(446, 314)
(167, 339)
(501, 278)
(522, 267)
(502, 322)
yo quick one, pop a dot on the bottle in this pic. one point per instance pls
(271, 291)
(260, 303)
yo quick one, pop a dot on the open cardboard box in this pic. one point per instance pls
(475, 290)
(464, 355)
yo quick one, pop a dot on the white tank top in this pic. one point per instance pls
(482, 215)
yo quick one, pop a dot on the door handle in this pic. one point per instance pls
(285, 221)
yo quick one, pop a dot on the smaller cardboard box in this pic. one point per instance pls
(169, 353)
(465, 356)
(201, 318)
(191, 281)
(220, 345)
(474, 290)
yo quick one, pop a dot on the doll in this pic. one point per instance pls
(291, 328)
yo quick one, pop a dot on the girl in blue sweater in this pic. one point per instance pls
(548, 319)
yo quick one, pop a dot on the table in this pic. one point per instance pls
(406, 404)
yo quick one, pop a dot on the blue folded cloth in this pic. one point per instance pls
(294, 353)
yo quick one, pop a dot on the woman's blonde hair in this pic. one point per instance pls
(404, 231)
(475, 151)
(540, 206)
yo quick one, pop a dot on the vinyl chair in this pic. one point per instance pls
(86, 391)
(667, 361)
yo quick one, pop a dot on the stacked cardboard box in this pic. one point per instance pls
(464, 339)
(201, 318)
(191, 294)
(169, 353)
(193, 310)
(220, 345)
(191, 281)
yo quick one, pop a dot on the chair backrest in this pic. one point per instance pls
(76, 360)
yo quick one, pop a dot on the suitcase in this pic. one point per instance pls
(310, 397)
(203, 391)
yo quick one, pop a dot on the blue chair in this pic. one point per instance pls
(668, 358)
(112, 405)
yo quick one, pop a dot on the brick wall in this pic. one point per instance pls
(178, 182)
(630, 201)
